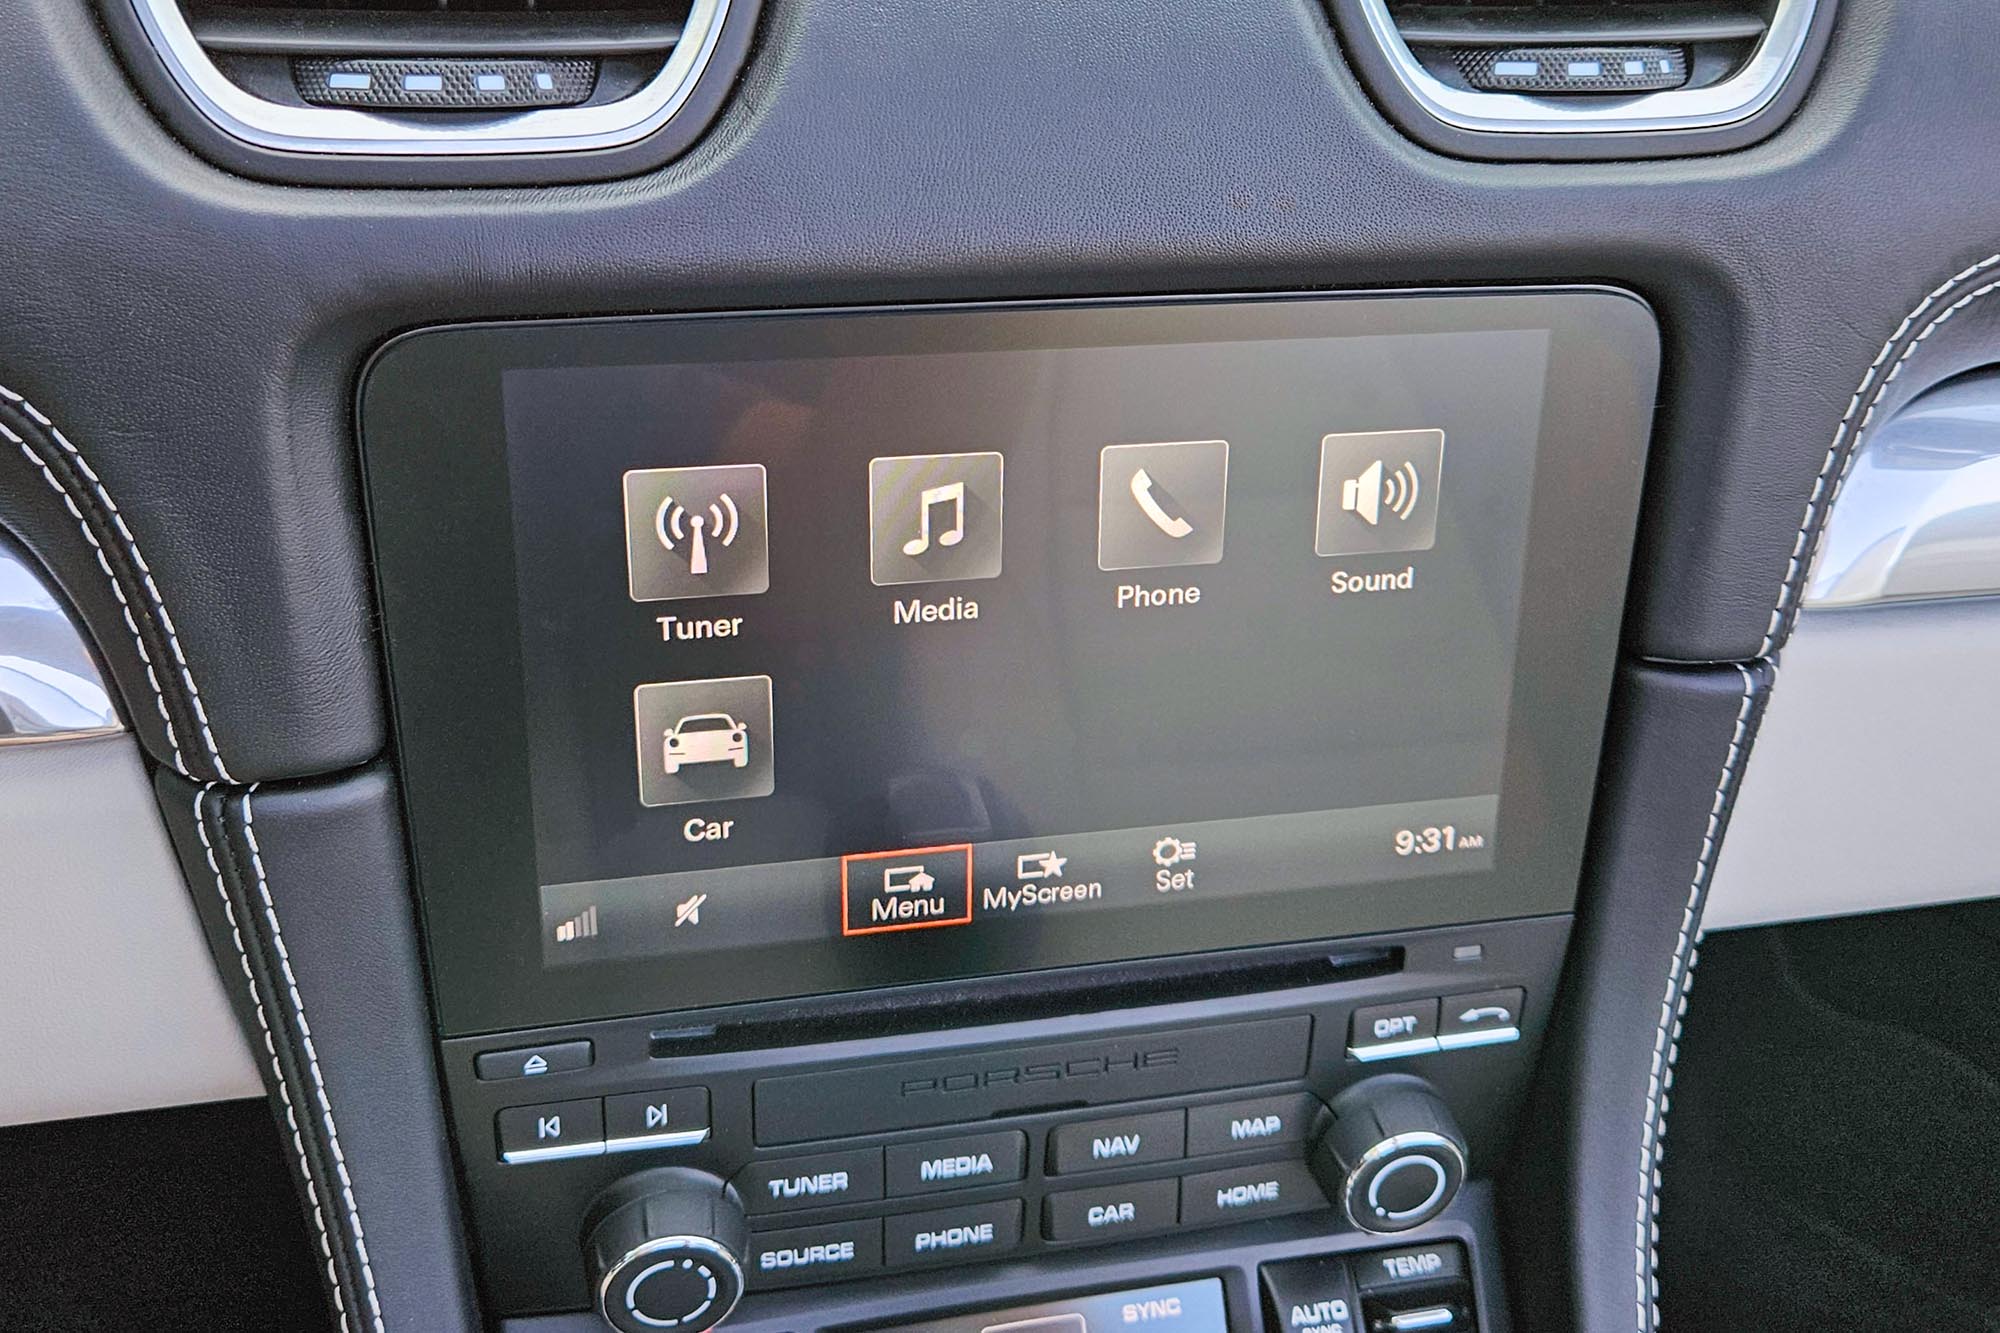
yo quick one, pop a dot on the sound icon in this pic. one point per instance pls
(675, 527)
(582, 926)
(1367, 495)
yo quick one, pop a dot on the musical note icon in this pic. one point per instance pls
(952, 493)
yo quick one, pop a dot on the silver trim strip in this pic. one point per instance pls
(680, 1138)
(1917, 516)
(303, 129)
(1461, 1041)
(554, 1153)
(1394, 1050)
(1738, 97)
(50, 687)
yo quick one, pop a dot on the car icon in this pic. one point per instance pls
(706, 738)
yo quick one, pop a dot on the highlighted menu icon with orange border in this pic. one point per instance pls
(919, 888)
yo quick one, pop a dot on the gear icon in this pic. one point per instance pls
(1169, 852)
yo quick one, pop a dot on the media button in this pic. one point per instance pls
(811, 1182)
(955, 1164)
(916, 889)
(1112, 1210)
(970, 1231)
(1127, 1141)
(934, 518)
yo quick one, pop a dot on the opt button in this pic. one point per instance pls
(1387, 1031)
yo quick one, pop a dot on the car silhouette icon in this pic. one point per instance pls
(706, 738)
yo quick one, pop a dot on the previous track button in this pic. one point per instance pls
(913, 889)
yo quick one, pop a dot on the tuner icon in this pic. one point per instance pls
(696, 532)
(1378, 492)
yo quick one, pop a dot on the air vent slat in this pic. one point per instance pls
(307, 32)
(1572, 25)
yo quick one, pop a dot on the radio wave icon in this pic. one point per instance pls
(677, 527)
(1367, 495)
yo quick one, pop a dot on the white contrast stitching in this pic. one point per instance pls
(1826, 485)
(1879, 376)
(312, 1062)
(159, 603)
(277, 1067)
(1666, 1038)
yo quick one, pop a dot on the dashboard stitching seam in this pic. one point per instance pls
(159, 605)
(1666, 1038)
(1826, 489)
(1827, 484)
(271, 1049)
(312, 1062)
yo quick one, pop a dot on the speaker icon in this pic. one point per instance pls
(719, 523)
(1367, 495)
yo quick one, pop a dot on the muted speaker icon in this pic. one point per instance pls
(1368, 495)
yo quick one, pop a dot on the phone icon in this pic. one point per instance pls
(1161, 505)
(1142, 491)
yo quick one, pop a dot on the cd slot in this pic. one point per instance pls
(1093, 990)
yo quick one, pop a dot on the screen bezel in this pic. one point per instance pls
(434, 464)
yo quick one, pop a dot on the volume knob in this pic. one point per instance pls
(665, 1251)
(1393, 1156)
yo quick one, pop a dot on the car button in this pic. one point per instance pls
(1258, 1123)
(1388, 1031)
(966, 1232)
(1488, 1018)
(550, 1131)
(956, 1164)
(676, 1118)
(1112, 1210)
(1310, 1296)
(559, 1057)
(811, 1182)
(1240, 1193)
(1125, 1141)
(814, 1254)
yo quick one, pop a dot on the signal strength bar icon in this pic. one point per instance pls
(582, 926)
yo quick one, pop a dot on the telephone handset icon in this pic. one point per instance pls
(1142, 491)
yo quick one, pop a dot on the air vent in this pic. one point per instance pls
(1586, 67)
(435, 78)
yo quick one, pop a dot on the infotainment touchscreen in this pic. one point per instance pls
(760, 656)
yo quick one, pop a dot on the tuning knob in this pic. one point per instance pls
(1392, 1157)
(665, 1251)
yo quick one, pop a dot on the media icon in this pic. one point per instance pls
(1378, 492)
(934, 518)
(704, 740)
(696, 532)
(1160, 505)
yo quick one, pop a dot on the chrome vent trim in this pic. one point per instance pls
(1736, 98)
(50, 685)
(337, 130)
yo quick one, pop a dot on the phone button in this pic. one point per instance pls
(1160, 505)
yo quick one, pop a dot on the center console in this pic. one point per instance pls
(1056, 816)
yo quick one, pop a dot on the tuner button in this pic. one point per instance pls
(1393, 1155)
(664, 1249)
